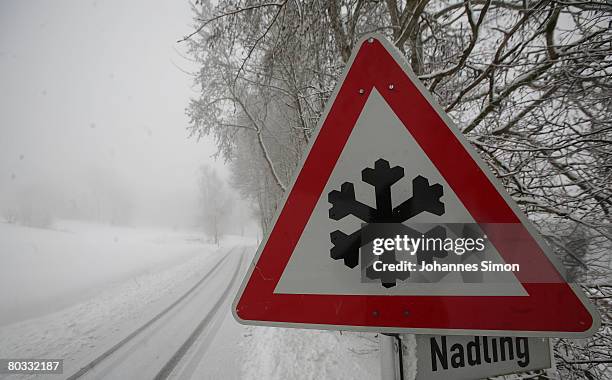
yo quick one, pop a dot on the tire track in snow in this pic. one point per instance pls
(88, 367)
(167, 369)
(187, 368)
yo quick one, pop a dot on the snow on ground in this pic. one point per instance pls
(80, 331)
(276, 353)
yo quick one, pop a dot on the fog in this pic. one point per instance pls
(92, 122)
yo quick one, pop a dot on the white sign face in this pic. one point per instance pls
(476, 357)
(380, 134)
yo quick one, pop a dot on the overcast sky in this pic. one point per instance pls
(92, 89)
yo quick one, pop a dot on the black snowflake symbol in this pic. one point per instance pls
(425, 197)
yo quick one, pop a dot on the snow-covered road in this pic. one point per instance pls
(173, 341)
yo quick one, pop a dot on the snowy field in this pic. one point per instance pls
(74, 291)
(45, 270)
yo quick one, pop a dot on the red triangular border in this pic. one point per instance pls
(552, 307)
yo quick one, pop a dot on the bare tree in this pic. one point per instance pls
(529, 82)
(216, 203)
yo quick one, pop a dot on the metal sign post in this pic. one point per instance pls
(397, 356)
(390, 358)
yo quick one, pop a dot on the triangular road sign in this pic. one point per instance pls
(306, 272)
